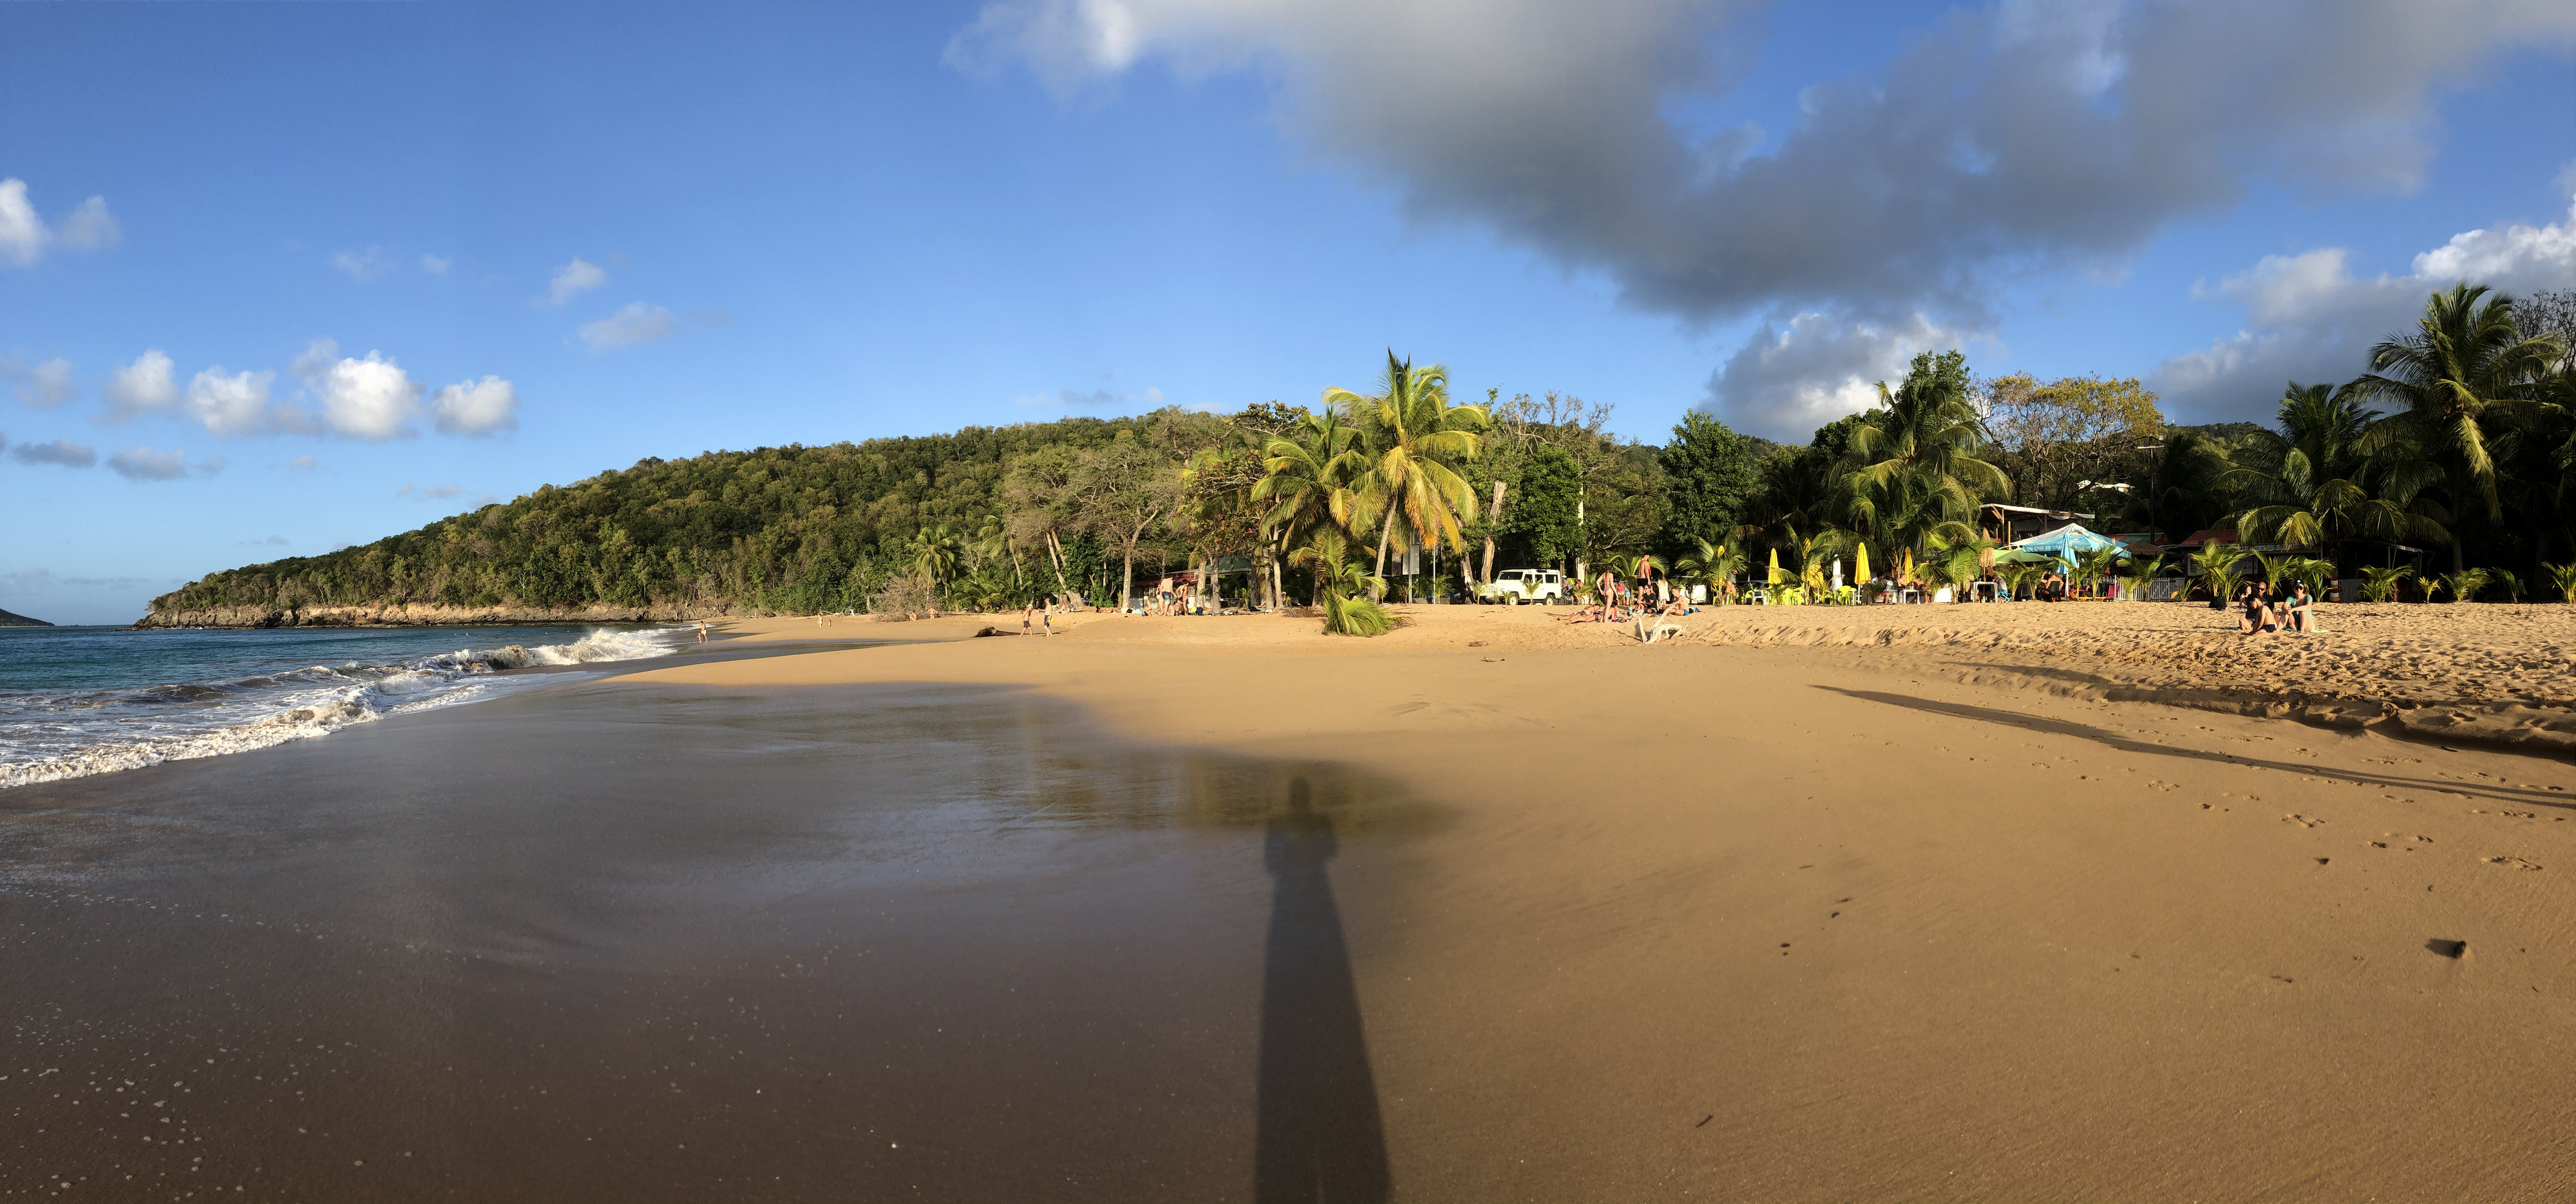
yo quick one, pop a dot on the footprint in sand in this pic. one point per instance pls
(2402, 841)
(2511, 863)
(2506, 814)
(2304, 821)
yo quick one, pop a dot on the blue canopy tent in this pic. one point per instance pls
(2068, 540)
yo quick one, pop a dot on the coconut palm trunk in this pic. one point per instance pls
(1493, 517)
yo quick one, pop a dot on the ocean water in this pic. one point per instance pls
(76, 701)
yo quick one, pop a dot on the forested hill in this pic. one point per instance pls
(791, 529)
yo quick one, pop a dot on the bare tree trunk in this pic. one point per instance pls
(1492, 517)
(1385, 532)
(1582, 567)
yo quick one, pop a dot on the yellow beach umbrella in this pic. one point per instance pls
(1860, 567)
(1777, 577)
(1906, 574)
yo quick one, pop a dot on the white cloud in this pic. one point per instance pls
(142, 387)
(370, 398)
(231, 405)
(1995, 145)
(1793, 377)
(364, 266)
(304, 463)
(59, 451)
(2309, 319)
(573, 278)
(44, 386)
(22, 233)
(481, 407)
(145, 464)
(435, 265)
(632, 326)
(24, 236)
(90, 227)
(430, 491)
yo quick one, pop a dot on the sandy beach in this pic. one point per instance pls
(2089, 901)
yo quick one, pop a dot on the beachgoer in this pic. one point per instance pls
(2300, 610)
(702, 631)
(1027, 613)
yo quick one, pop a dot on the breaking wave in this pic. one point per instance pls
(50, 735)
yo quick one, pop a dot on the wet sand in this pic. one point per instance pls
(1570, 923)
(674, 943)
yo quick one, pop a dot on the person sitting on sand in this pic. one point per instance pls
(2299, 610)
(2258, 617)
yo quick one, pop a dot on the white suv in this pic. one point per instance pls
(1516, 586)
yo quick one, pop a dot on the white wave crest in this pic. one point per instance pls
(307, 703)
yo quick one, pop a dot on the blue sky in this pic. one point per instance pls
(812, 223)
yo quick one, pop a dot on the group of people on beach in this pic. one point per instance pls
(2261, 610)
(1621, 602)
(1037, 619)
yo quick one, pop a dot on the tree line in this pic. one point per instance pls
(2459, 436)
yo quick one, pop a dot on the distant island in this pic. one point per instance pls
(15, 620)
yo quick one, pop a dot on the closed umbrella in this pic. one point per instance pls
(1777, 577)
(1860, 564)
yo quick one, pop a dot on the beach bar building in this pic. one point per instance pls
(2013, 524)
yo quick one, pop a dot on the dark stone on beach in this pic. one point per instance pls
(2449, 949)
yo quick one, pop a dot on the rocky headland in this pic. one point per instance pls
(400, 614)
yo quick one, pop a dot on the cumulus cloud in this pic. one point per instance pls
(633, 326)
(572, 279)
(2310, 319)
(435, 265)
(145, 464)
(144, 386)
(231, 405)
(63, 452)
(364, 266)
(304, 463)
(90, 227)
(1796, 375)
(2024, 139)
(369, 398)
(43, 386)
(24, 235)
(483, 407)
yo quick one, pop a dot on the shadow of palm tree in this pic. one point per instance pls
(1319, 1137)
(2111, 739)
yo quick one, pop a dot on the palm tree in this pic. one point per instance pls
(2217, 564)
(1954, 561)
(2139, 573)
(2094, 564)
(1913, 470)
(932, 553)
(1308, 479)
(2318, 494)
(2380, 585)
(2564, 577)
(2462, 372)
(2462, 584)
(2509, 580)
(1415, 439)
(1713, 565)
(1346, 589)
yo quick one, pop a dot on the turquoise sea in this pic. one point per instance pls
(76, 701)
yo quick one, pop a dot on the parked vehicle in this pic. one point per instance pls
(1515, 586)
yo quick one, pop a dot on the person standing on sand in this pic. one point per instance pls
(702, 631)
(1026, 610)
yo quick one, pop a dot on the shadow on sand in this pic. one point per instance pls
(1319, 1137)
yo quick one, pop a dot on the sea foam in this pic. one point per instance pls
(58, 735)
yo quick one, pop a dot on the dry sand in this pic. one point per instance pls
(1929, 903)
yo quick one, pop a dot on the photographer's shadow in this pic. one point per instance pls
(1319, 1134)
